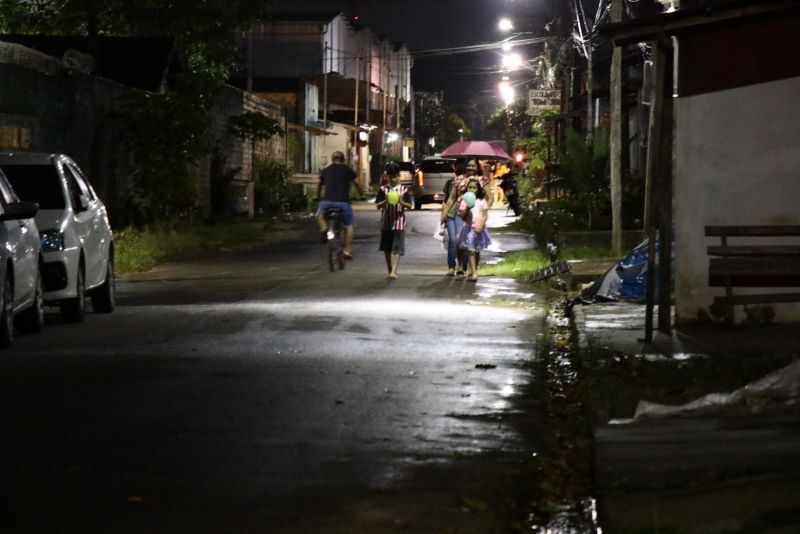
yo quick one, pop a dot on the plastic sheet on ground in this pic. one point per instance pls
(626, 280)
(782, 385)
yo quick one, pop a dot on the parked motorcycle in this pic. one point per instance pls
(508, 183)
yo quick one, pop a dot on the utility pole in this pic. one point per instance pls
(325, 89)
(589, 94)
(616, 141)
(355, 115)
(358, 76)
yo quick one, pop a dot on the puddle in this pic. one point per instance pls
(489, 287)
(564, 502)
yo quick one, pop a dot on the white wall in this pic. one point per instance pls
(737, 162)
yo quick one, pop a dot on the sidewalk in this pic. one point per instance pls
(726, 469)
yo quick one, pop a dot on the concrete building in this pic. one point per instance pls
(735, 123)
(344, 87)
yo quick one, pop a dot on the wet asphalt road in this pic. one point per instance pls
(254, 391)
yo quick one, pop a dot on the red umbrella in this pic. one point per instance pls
(478, 149)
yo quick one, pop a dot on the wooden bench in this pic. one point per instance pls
(746, 264)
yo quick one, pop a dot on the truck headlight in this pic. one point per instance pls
(52, 240)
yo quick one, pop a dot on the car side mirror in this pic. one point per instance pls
(19, 210)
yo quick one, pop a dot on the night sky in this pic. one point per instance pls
(434, 24)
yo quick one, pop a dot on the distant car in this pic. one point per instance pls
(20, 266)
(432, 174)
(76, 239)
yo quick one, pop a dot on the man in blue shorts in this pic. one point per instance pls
(335, 180)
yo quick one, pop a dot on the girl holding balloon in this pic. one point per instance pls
(393, 199)
(474, 209)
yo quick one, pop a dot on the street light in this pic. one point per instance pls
(512, 61)
(505, 25)
(507, 92)
(461, 134)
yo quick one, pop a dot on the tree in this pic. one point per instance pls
(166, 133)
(452, 124)
(535, 145)
(165, 136)
(253, 126)
(205, 32)
(430, 121)
(512, 122)
(585, 169)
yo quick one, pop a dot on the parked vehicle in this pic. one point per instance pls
(20, 266)
(76, 240)
(432, 174)
(508, 183)
(406, 173)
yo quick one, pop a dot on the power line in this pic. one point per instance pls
(478, 48)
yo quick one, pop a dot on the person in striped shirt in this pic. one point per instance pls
(393, 199)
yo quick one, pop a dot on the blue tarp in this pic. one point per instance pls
(626, 280)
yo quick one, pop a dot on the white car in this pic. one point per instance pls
(20, 266)
(76, 238)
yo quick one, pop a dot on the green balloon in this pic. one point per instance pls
(393, 197)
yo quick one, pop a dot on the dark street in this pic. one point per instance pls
(256, 391)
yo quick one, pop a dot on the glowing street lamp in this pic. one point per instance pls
(505, 25)
(511, 61)
(507, 92)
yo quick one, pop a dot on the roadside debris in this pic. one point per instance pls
(553, 269)
(782, 386)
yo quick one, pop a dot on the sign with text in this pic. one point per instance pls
(543, 100)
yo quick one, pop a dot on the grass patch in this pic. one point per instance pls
(520, 264)
(141, 249)
(517, 264)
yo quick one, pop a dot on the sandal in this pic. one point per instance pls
(460, 274)
(451, 272)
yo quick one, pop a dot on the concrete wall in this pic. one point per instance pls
(67, 112)
(737, 162)
(230, 103)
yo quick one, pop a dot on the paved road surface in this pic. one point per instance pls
(257, 392)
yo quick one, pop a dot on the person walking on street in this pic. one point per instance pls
(450, 217)
(393, 199)
(334, 183)
(452, 220)
(474, 209)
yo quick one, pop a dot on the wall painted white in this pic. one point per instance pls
(737, 162)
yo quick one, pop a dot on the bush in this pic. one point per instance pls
(274, 190)
(547, 220)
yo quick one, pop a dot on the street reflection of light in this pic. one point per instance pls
(401, 309)
(507, 47)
